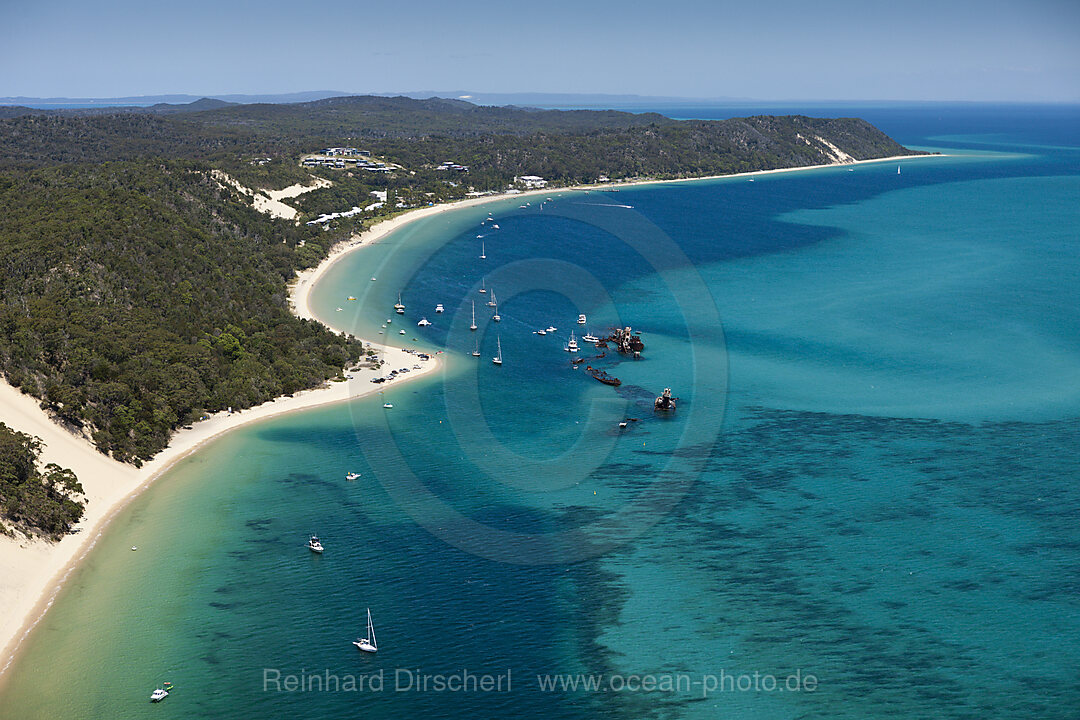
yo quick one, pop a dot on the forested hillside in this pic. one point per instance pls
(135, 297)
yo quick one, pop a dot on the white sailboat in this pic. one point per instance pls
(473, 326)
(476, 351)
(483, 290)
(496, 317)
(368, 644)
(498, 356)
(483, 251)
(398, 307)
(493, 302)
(897, 169)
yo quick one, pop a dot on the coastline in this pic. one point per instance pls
(33, 572)
(300, 289)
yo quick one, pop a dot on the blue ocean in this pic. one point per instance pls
(865, 505)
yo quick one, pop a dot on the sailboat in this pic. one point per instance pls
(897, 169)
(399, 308)
(498, 356)
(483, 252)
(496, 317)
(369, 643)
(476, 352)
(493, 302)
(482, 288)
(473, 326)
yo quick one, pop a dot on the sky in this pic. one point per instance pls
(982, 50)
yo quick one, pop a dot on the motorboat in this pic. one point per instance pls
(439, 308)
(314, 544)
(424, 322)
(161, 693)
(581, 319)
(352, 476)
(571, 345)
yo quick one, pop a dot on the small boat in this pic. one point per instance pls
(571, 346)
(388, 405)
(161, 693)
(622, 424)
(439, 308)
(368, 644)
(476, 351)
(492, 302)
(552, 328)
(424, 322)
(541, 332)
(339, 309)
(389, 321)
(483, 251)
(473, 326)
(134, 548)
(401, 332)
(350, 298)
(495, 226)
(314, 544)
(372, 279)
(398, 307)
(498, 356)
(581, 319)
(352, 476)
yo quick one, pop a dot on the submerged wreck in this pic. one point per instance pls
(665, 401)
(626, 340)
(603, 376)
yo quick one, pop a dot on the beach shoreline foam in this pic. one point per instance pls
(33, 572)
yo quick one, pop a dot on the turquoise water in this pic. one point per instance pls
(870, 478)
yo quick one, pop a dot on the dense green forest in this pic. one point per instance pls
(43, 500)
(137, 296)
(138, 293)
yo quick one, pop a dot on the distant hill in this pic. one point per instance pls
(196, 106)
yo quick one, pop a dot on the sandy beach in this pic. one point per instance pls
(32, 572)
